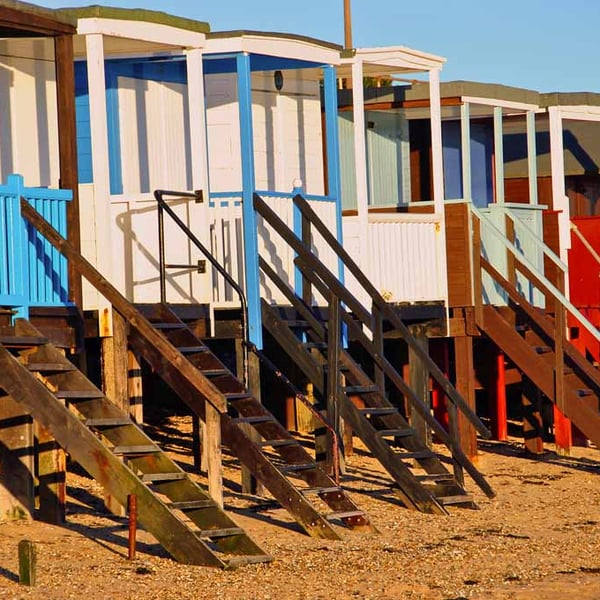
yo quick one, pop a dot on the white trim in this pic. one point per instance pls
(360, 163)
(436, 140)
(100, 164)
(560, 200)
(532, 158)
(465, 147)
(498, 155)
(279, 47)
(404, 218)
(139, 30)
(521, 106)
(578, 113)
(398, 57)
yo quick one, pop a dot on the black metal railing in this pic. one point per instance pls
(163, 265)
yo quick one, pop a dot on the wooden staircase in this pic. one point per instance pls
(104, 440)
(278, 461)
(423, 481)
(529, 338)
(424, 484)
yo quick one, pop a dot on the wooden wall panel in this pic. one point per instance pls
(458, 249)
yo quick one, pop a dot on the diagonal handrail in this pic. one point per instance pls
(542, 280)
(164, 207)
(585, 242)
(363, 314)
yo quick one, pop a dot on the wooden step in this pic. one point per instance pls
(448, 500)
(583, 392)
(378, 411)
(139, 449)
(420, 455)
(51, 367)
(236, 396)
(321, 491)
(542, 349)
(298, 467)
(253, 420)
(192, 349)
(361, 389)
(186, 505)
(162, 477)
(277, 443)
(215, 372)
(433, 477)
(219, 533)
(108, 422)
(407, 432)
(22, 341)
(344, 515)
(168, 326)
(241, 561)
(317, 345)
(72, 395)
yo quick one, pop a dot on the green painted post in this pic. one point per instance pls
(27, 562)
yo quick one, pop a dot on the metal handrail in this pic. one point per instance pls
(162, 207)
(550, 287)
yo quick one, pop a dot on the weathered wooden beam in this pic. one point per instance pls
(419, 383)
(27, 563)
(531, 402)
(465, 384)
(52, 482)
(249, 483)
(33, 21)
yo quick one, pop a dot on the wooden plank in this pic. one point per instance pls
(52, 481)
(249, 482)
(67, 148)
(31, 20)
(419, 382)
(458, 255)
(531, 402)
(212, 451)
(465, 384)
(135, 394)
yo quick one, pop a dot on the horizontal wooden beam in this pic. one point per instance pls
(33, 22)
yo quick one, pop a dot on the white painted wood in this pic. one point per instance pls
(141, 30)
(99, 142)
(280, 45)
(506, 104)
(532, 157)
(560, 200)
(360, 162)
(465, 138)
(28, 112)
(395, 59)
(498, 155)
(436, 142)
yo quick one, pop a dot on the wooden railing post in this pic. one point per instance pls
(377, 329)
(334, 339)
(307, 241)
(511, 272)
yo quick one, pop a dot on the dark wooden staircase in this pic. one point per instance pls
(104, 440)
(423, 480)
(532, 341)
(278, 461)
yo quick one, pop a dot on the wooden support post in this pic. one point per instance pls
(334, 341)
(134, 387)
(419, 382)
(249, 483)
(51, 472)
(498, 398)
(197, 428)
(439, 353)
(378, 342)
(212, 451)
(16, 461)
(465, 385)
(114, 381)
(563, 438)
(563, 432)
(531, 402)
(27, 563)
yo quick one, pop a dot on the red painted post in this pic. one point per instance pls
(563, 435)
(499, 423)
(439, 353)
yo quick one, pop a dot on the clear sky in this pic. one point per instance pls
(546, 45)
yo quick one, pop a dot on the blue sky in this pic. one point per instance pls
(547, 45)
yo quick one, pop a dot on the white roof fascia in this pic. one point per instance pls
(398, 58)
(579, 112)
(279, 47)
(155, 33)
(507, 104)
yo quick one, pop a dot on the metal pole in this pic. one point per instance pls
(347, 25)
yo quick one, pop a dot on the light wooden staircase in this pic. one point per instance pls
(104, 440)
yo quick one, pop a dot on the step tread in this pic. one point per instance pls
(108, 422)
(433, 477)
(192, 349)
(406, 432)
(298, 467)
(214, 372)
(278, 443)
(78, 394)
(321, 490)
(459, 499)
(378, 410)
(240, 561)
(236, 396)
(344, 514)
(51, 367)
(418, 455)
(361, 389)
(253, 420)
(219, 533)
(136, 449)
(23, 340)
(169, 326)
(158, 477)
(185, 505)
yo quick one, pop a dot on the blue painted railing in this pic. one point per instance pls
(32, 272)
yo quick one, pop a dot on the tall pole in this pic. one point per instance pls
(347, 25)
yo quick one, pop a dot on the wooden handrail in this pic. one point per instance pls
(144, 328)
(353, 304)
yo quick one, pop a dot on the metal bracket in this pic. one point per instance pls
(199, 196)
(201, 266)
